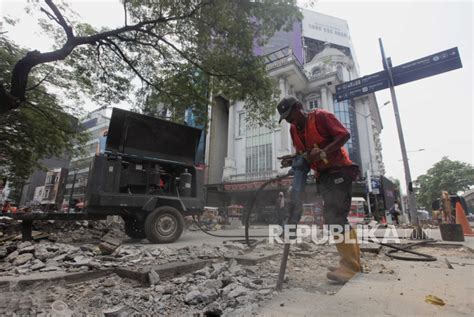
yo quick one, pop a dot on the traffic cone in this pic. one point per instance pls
(462, 220)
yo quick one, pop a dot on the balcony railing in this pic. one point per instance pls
(281, 57)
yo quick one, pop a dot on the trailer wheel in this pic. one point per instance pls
(134, 228)
(164, 225)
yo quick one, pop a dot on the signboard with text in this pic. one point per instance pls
(427, 66)
(362, 86)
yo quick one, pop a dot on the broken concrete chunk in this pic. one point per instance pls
(3, 252)
(109, 282)
(37, 264)
(107, 248)
(213, 309)
(12, 256)
(193, 297)
(28, 249)
(24, 244)
(111, 240)
(119, 311)
(50, 269)
(238, 291)
(153, 277)
(22, 258)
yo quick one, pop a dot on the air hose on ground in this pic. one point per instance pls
(406, 249)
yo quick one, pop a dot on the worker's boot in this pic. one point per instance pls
(350, 261)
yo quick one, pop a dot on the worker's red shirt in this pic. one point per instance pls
(321, 128)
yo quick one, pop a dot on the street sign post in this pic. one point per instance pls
(393, 76)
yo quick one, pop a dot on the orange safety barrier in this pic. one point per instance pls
(462, 220)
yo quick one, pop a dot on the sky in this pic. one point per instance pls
(436, 112)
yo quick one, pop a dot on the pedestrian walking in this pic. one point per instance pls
(395, 213)
(281, 208)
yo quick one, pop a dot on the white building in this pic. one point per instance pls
(95, 123)
(240, 156)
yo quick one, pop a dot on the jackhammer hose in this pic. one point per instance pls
(247, 214)
(406, 249)
(252, 204)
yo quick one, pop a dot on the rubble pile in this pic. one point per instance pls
(77, 231)
(223, 288)
(24, 258)
(63, 231)
(8, 227)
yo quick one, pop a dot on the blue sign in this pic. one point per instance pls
(427, 66)
(424, 67)
(362, 86)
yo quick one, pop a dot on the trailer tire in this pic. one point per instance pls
(164, 225)
(134, 228)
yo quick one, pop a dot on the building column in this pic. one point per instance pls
(229, 161)
(324, 98)
(330, 101)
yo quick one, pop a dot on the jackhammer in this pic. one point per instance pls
(299, 168)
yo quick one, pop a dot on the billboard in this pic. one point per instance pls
(326, 28)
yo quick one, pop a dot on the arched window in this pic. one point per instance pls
(316, 71)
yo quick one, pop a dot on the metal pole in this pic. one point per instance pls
(369, 175)
(72, 190)
(411, 196)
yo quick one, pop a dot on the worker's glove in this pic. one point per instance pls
(317, 154)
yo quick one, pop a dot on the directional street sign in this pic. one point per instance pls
(427, 66)
(362, 86)
(424, 67)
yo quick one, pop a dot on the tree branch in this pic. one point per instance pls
(60, 19)
(23, 67)
(50, 16)
(125, 12)
(42, 80)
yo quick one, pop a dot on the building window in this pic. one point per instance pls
(313, 104)
(241, 124)
(346, 115)
(258, 149)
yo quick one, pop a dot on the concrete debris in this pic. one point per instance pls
(228, 284)
(109, 244)
(109, 282)
(220, 288)
(119, 311)
(153, 277)
(22, 259)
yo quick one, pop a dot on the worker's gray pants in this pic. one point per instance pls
(336, 189)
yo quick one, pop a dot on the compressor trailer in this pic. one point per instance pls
(147, 175)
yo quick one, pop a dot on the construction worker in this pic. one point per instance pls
(322, 136)
(6, 206)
